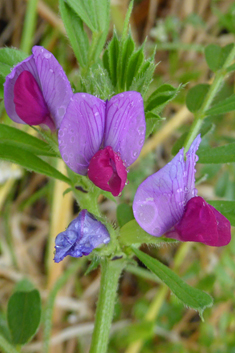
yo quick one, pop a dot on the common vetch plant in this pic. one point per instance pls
(99, 131)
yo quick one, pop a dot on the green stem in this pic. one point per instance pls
(47, 319)
(111, 271)
(29, 26)
(6, 346)
(213, 90)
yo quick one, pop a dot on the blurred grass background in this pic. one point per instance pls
(33, 209)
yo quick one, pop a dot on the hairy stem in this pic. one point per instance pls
(110, 272)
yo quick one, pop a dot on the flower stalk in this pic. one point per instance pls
(110, 273)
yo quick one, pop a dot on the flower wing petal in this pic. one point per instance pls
(81, 131)
(26, 65)
(125, 125)
(159, 201)
(54, 83)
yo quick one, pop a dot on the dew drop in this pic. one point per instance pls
(72, 139)
(156, 230)
(47, 55)
(135, 154)
(51, 71)
(65, 158)
(141, 141)
(106, 241)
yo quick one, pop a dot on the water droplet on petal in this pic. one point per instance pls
(47, 55)
(156, 230)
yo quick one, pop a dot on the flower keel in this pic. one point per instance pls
(107, 171)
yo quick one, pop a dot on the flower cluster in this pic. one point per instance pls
(101, 139)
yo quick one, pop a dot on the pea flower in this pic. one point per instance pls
(37, 91)
(166, 203)
(83, 234)
(101, 138)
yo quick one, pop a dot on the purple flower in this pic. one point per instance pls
(83, 234)
(102, 139)
(37, 91)
(166, 203)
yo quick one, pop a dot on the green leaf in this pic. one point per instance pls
(212, 55)
(24, 286)
(9, 57)
(124, 214)
(113, 53)
(222, 154)
(160, 97)
(227, 208)
(144, 77)
(23, 315)
(216, 56)
(225, 53)
(135, 62)
(93, 265)
(151, 122)
(132, 233)
(95, 13)
(15, 154)
(225, 106)
(191, 297)
(127, 51)
(25, 141)
(196, 96)
(77, 36)
(2, 81)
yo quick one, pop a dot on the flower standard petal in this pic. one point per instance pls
(81, 131)
(125, 125)
(53, 82)
(84, 234)
(159, 201)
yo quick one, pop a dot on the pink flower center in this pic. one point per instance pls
(29, 102)
(107, 171)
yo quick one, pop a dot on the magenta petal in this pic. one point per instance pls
(106, 170)
(125, 125)
(26, 65)
(81, 131)
(203, 223)
(29, 102)
(53, 82)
